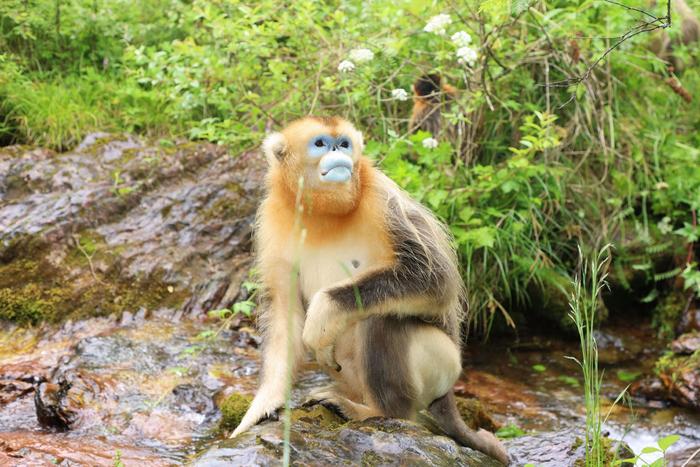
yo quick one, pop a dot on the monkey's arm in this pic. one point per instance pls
(422, 281)
(277, 360)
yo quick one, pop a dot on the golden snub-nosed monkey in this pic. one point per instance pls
(368, 278)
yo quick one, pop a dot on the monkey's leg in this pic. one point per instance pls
(435, 360)
(277, 362)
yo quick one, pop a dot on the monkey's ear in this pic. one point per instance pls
(359, 140)
(274, 147)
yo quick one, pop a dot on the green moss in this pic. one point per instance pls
(667, 313)
(371, 458)
(24, 306)
(670, 365)
(222, 208)
(233, 408)
(613, 450)
(33, 289)
(319, 416)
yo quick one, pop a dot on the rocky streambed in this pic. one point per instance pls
(110, 257)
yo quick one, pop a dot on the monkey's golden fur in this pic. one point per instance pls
(370, 282)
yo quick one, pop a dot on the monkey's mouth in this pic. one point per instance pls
(335, 167)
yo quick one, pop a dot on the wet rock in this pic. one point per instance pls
(149, 386)
(690, 319)
(28, 448)
(119, 225)
(11, 390)
(682, 379)
(678, 371)
(686, 344)
(559, 449)
(318, 440)
(650, 387)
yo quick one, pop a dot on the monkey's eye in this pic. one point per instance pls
(344, 145)
(319, 143)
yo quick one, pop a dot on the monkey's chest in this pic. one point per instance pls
(328, 265)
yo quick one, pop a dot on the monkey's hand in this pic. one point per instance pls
(265, 405)
(324, 322)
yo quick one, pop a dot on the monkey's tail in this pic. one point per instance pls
(444, 410)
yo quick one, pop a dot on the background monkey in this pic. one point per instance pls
(378, 294)
(429, 95)
(661, 43)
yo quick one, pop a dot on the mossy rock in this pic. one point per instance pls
(614, 452)
(34, 289)
(475, 416)
(30, 304)
(680, 375)
(233, 408)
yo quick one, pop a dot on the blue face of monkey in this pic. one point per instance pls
(335, 155)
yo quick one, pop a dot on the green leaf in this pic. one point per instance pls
(509, 186)
(650, 450)
(220, 313)
(245, 307)
(518, 6)
(539, 368)
(573, 382)
(510, 431)
(436, 197)
(466, 213)
(668, 441)
(205, 334)
(628, 376)
(482, 237)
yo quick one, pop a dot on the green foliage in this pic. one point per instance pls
(522, 171)
(570, 380)
(588, 284)
(510, 431)
(663, 445)
(628, 376)
(117, 459)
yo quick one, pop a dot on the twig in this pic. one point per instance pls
(663, 22)
(80, 248)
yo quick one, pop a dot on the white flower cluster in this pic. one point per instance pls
(467, 55)
(399, 94)
(438, 24)
(356, 56)
(430, 143)
(361, 55)
(345, 66)
(461, 38)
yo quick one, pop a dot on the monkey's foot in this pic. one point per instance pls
(341, 405)
(259, 411)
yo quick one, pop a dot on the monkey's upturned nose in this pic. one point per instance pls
(335, 167)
